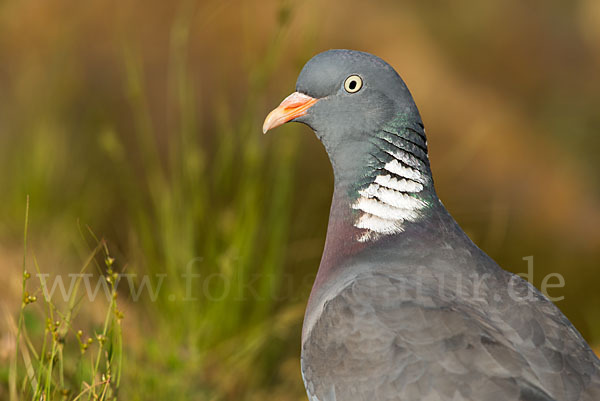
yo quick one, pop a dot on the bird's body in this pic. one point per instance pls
(437, 322)
(405, 306)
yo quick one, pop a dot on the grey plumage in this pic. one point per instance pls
(405, 306)
(402, 331)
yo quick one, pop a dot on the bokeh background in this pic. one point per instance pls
(141, 122)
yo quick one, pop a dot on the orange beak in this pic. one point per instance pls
(293, 106)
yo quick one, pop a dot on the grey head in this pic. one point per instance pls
(357, 92)
(365, 116)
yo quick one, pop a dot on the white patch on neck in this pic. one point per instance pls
(397, 168)
(403, 157)
(387, 199)
(388, 202)
(399, 185)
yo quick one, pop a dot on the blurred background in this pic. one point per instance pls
(138, 125)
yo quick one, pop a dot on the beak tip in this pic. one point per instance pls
(266, 126)
(293, 106)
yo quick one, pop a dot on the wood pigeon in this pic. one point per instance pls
(404, 305)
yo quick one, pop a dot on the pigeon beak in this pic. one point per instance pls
(294, 106)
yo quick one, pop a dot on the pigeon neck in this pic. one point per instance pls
(386, 183)
(381, 189)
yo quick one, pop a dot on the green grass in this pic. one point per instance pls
(214, 200)
(55, 360)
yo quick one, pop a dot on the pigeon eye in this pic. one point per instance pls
(353, 84)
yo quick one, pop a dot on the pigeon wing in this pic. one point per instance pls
(377, 340)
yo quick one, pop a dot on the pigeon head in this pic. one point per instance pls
(345, 96)
(365, 116)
